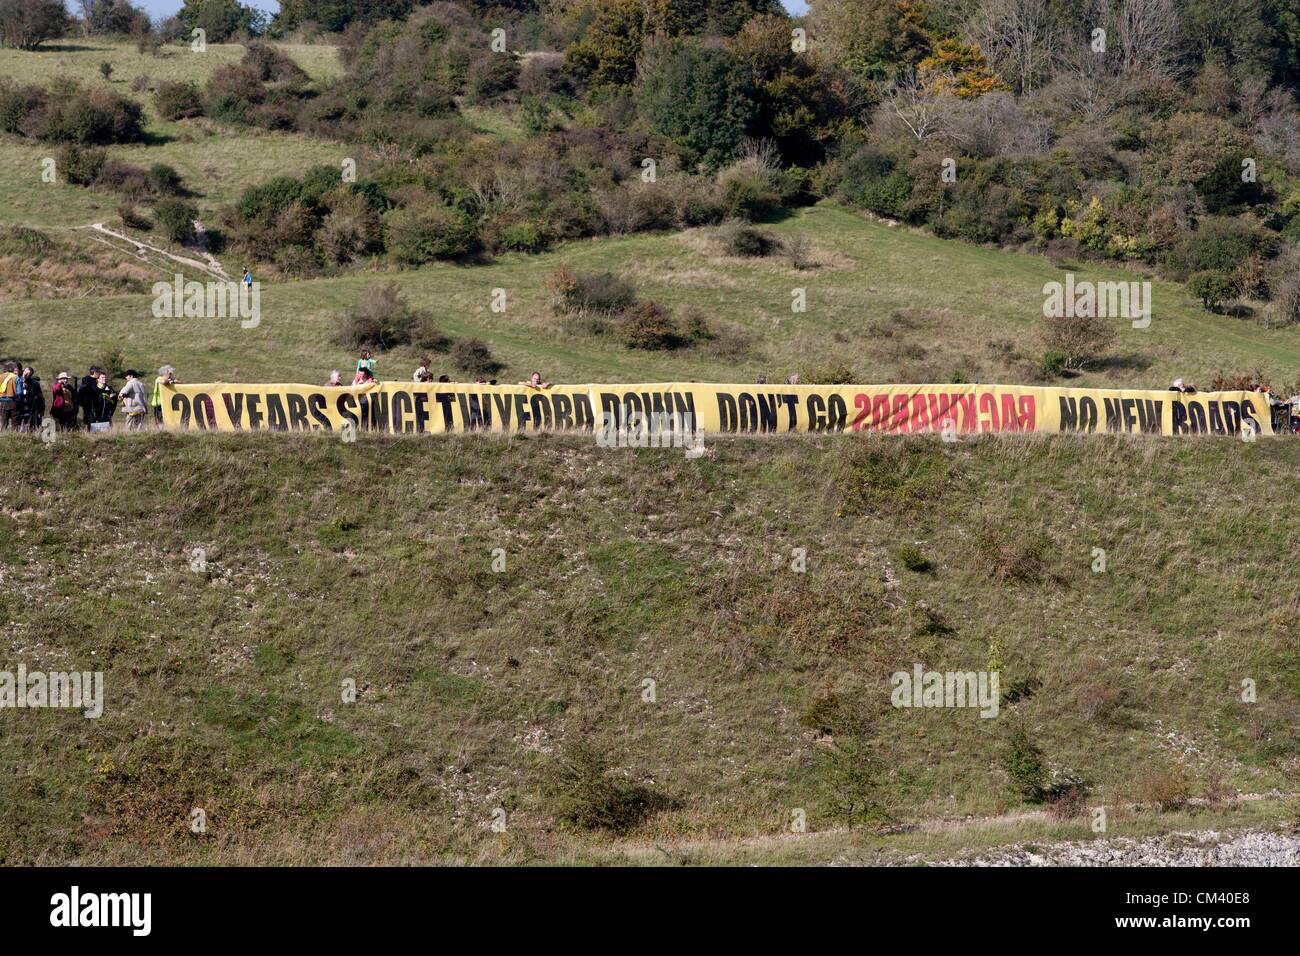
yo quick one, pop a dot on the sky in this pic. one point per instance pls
(165, 8)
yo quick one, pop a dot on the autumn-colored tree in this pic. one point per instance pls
(959, 68)
(870, 39)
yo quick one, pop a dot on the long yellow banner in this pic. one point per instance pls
(409, 408)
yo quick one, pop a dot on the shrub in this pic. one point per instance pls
(16, 102)
(1023, 763)
(141, 83)
(473, 357)
(1080, 340)
(1220, 245)
(416, 236)
(132, 218)
(1011, 554)
(1161, 789)
(383, 318)
(72, 114)
(1067, 799)
(178, 100)
(750, 196)
(164, 180)
(910, 557)
(586, 795)
(645, 325)
(799, 250)
(851, 779)
(81, 165)
(1052, 364)
(176, 217)
(870, 180)
(1212, 288)
(831, 373)
(590, 292)
(742, 239)
(106, 69)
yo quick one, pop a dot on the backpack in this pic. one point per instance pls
(59, 402)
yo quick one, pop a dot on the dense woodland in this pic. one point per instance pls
(1161, 132)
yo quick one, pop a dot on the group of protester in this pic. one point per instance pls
(365, 374)
(89, 404)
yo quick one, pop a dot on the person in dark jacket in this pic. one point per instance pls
(33, 411)
(88, 395)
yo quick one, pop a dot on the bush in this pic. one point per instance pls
(1220, 245)
(1161, 789)
(742, 239)
(645, 325)
(178, 100)
(1080, 340)
(16, 102)
(473, 357)
(382, 318)
(416, 236)
(141, 83)
(832, 373)
(910, 557)
(164, 180)
(176, 217)
(602, 293)
(1023, 763)
(584, 794)
(72, 114)
(870, 180)
(851, 779)
(1052, 364)
(1067, 800)
(1212, 288)
(81, 166)
(1011, 554)
(132, 218)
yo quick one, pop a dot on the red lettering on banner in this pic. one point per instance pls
(863, 403)
(920, 414)
(1028, 413)
(967, 405)
(989, 407)
(899, 421)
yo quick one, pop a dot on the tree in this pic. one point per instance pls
(960, 69)
(698, 96)
(1212, 288)
(606, 54)
(337, 15)
(873, 40)
(221, 20)
(114, 18)
(1019, 38)
(26, 24)
(1147, 33)
(851, 777)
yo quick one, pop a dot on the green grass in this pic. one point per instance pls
(372, 562)
(894, 306)
(216, 162)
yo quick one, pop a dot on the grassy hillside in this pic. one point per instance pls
(216, 162)
(372, 562)
(891, 304)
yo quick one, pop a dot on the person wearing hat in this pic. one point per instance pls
(134, 401)
(63, 402)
